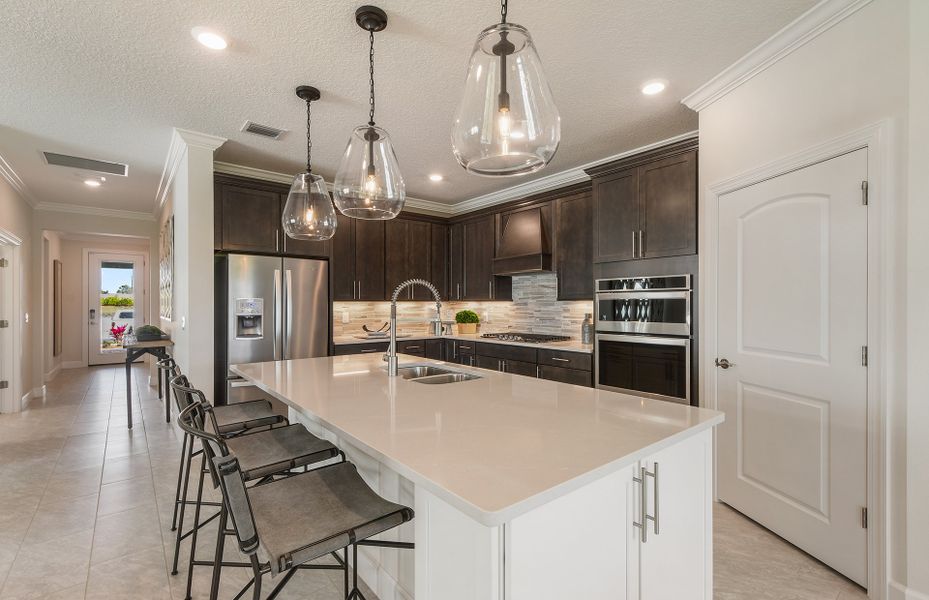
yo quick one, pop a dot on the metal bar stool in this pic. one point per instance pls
(283, 525)
(233, 420)
(263, 456)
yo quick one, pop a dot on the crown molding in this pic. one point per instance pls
(524, 190)
(181, 139)
(796, 34)
(273, 176)
(96, 211)
(7, 172)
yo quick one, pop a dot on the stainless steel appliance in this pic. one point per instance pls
(530, 338)
(268, 308)
(643, 336)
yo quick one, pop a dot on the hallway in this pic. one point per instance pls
(88, 503)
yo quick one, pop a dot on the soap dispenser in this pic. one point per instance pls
(587, 330)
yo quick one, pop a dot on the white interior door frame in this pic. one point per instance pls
(85, 292)
(882, 222)
(11, 283)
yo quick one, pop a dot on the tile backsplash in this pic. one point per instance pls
(534, 309)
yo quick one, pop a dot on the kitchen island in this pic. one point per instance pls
(523, 488)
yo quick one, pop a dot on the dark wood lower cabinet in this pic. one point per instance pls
(414, 347)
(345, 349)
(572, 376)
(435, 349)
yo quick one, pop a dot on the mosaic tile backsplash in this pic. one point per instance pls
(534, 309)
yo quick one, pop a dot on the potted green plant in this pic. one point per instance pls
(467, 321)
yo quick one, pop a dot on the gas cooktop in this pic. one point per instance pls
(532, 338)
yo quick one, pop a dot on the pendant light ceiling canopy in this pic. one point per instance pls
(368, 184)
(308, 213)
(507, 122)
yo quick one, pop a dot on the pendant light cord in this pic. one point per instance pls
(309, 141)
(503, 8)
(371, 74)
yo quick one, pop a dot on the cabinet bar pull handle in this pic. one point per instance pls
(641, 244)
(412, 348)
(366, 350)
(458, 291)
(633, 243)
(463, 347)
(560, 359)
(643, 499)
(538, 371)
(490, 289)
(654, 475)
(359, 289)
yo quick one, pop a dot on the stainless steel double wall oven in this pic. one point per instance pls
(644, 336)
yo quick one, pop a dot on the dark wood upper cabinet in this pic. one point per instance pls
(477, 239)
(455, 261)
(251, 218)
(668, 206)
(438, 256)
(409, 248)
(615, 217)
(342, 260)
(369, 259)
(574, 246)
(646, 206)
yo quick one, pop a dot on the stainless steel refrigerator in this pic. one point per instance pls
(268, 308)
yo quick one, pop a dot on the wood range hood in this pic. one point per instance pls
(524, 241)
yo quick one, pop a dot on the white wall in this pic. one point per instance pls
(188, 195)
(918, 300)
(851, 76)
(16, 216)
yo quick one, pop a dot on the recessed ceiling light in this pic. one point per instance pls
(92, 182)
(209, 38)
(435, 177)
(655, 86)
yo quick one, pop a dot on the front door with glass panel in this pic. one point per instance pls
(115, 304)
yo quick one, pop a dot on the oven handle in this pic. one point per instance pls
(643, 295)
(643, 339)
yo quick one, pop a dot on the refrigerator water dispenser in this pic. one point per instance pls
(248, 318)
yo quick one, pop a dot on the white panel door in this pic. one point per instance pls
(792, 320)
(116, 304)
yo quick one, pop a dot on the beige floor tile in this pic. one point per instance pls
(126, 467)
(122, 533)
(72, 484)
(48, 567)
(139, 575)
(123, 495)
(55, 518)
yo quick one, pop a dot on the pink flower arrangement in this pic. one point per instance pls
(117, 331)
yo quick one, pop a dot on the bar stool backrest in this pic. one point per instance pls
(183, 392)
(192, 420)
(236, 498)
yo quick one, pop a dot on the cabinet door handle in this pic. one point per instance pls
(538, 371)
(643, 499)
(490, 289)
(633, 243)
(654, 475)
(560, 359)
(641, 244)
(359, 289)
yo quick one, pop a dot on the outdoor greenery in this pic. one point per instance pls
(467, 316)
(148, 330)
(116, 301)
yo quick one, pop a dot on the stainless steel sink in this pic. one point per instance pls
(434, 375)
(446, 378)
(422, 371)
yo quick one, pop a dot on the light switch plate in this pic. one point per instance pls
(345, 317)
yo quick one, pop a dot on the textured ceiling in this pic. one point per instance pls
(108, 80)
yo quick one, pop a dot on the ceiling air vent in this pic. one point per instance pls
(264, 130)
(86, 164)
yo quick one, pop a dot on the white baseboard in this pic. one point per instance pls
(73, 364)
(38, 392)
(53, 373)
(898, 591)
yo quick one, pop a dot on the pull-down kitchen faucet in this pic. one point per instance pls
(391, 356)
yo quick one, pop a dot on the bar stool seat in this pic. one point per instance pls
(245, 415)
(276, 450)
(316, 513)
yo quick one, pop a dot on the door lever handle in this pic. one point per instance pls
(723, 363)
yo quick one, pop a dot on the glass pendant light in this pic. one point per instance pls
(507, 122)
(368, 184)
(308, 213)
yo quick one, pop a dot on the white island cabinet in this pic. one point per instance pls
(523, 489)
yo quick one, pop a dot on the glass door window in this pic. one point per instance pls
(116, 304)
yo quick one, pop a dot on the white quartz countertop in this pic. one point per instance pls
(568, 346)
(493, 447)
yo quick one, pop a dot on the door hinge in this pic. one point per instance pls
(4, 262)
(864, 356)
(4, 324)
(864, 192)
(864, 517)
(4, 385)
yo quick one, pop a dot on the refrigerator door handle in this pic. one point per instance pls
(276, 307)
(288, 313)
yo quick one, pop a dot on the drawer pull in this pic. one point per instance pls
(463, 347)
(412, 347)
(369, 350)
(561, 359)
